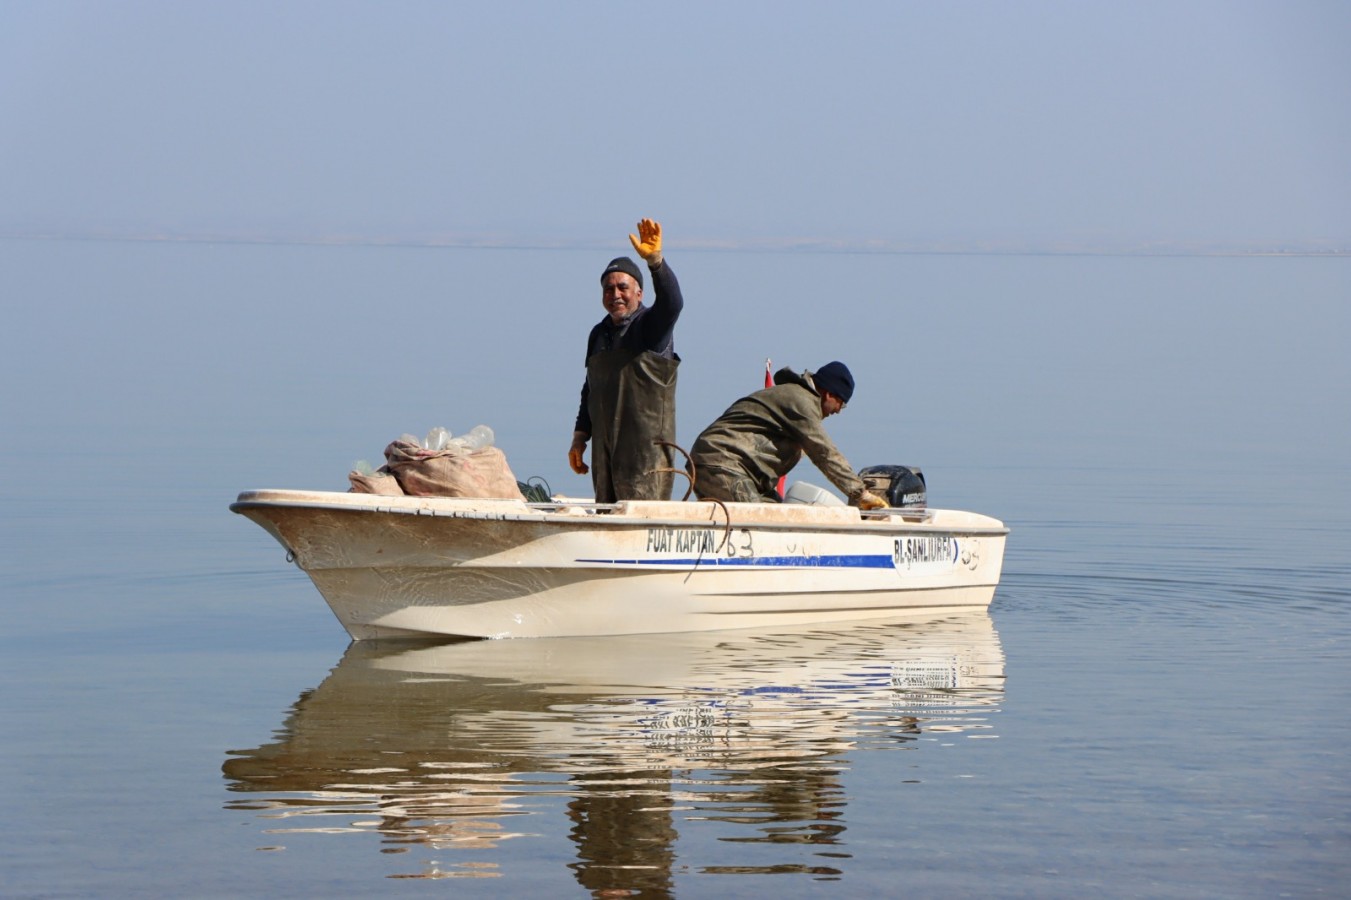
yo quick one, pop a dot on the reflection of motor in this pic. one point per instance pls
(903, 486)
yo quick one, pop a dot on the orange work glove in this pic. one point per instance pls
(575, 457)
(648, 242)
(869, 500)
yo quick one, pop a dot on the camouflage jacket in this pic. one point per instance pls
(765, 435)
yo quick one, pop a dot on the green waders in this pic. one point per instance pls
(632, 403)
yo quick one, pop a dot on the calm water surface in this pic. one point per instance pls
(1152, 707)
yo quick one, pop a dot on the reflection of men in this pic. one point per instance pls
(625, 837)
(628, 398)
(740, 457)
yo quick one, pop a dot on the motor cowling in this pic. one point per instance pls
(901, 486)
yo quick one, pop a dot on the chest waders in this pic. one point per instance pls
(632, 403)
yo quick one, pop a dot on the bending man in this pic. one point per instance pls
(740, 457)
(628, 397)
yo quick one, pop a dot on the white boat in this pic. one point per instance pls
(401, 567)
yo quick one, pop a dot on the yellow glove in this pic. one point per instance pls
(869, 500)
(575, 457)
(648, 242)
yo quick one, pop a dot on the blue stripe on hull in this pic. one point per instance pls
(874, 561)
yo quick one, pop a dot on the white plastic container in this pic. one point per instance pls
(810, 494)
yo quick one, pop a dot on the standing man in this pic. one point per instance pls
(742, 455)
(628, 397)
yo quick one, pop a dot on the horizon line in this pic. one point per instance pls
(488, 241)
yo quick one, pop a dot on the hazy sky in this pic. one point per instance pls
(729, 121)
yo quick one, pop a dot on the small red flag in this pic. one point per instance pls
(769, 382)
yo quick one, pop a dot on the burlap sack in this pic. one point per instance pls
(439, 473)
(381, 481)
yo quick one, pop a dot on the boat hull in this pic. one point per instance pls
(418, 567)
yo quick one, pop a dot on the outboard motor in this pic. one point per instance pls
(902, 486)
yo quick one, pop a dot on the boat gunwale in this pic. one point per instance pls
(870, 522)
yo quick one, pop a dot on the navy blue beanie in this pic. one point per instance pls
(625, 265)
(835, 377)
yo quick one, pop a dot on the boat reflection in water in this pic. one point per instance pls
(625, 743)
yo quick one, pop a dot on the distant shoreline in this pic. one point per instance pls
(756, 245)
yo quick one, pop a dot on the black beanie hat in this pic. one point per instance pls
(625, 265)
(835, 377)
